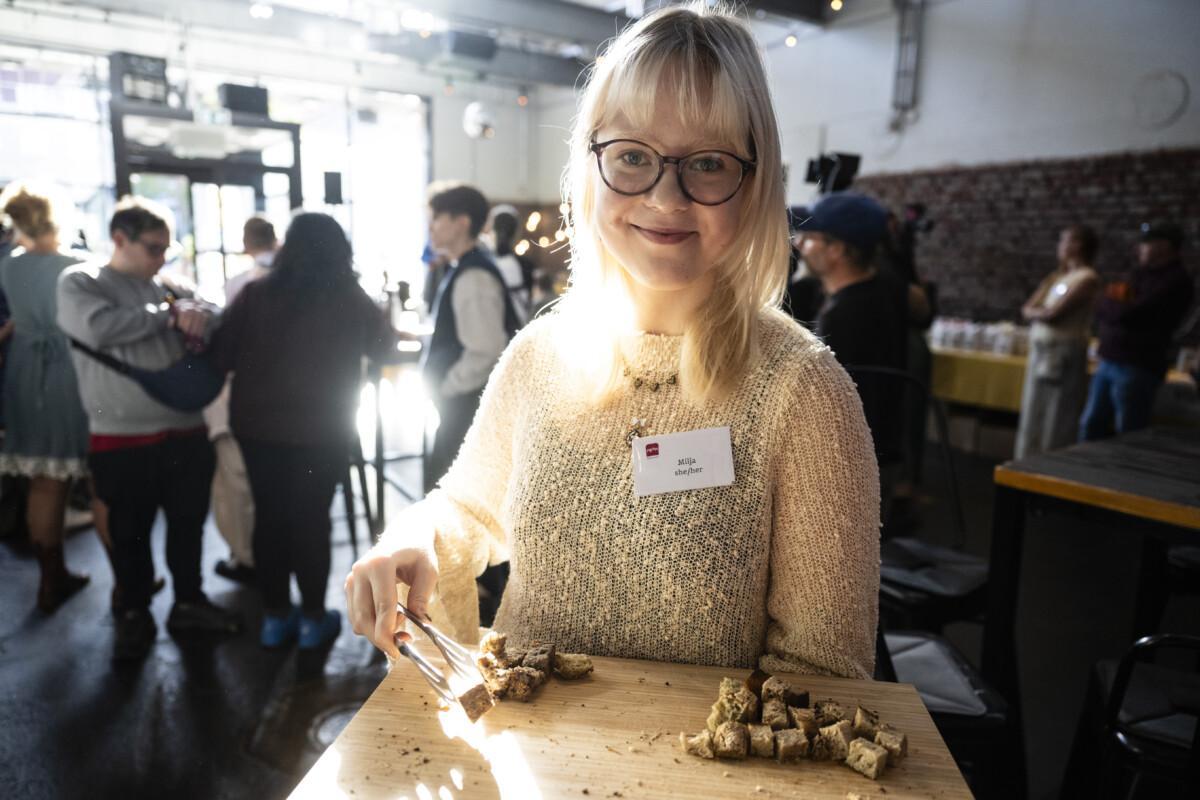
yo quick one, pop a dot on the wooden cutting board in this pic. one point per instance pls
(614, 734)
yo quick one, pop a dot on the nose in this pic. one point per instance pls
(667, 195)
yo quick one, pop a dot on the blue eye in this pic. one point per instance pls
(706, 163)
(634, 158)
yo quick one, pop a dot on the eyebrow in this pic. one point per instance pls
(695, 145)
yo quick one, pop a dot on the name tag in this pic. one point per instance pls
(678, 462)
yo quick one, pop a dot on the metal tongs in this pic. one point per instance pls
(461, 662)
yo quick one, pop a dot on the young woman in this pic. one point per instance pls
(46, 437)
(1056, 379)
(751, 535)
(295, 341)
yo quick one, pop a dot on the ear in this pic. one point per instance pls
(120, 238)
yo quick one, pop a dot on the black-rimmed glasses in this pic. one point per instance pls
(707, 177)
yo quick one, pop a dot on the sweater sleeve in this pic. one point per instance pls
(464, 512)
(823, 597)
(86, 313)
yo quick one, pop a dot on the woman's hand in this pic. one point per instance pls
(371, 591)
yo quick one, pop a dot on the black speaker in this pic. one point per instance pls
(470, 45)
(247, 99)
(832, 172)
(333, 188)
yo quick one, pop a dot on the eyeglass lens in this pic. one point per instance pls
(631, 167)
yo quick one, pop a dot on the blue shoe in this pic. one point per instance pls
(314, 634)
(279, 631)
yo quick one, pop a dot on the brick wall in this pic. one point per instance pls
(996, 227)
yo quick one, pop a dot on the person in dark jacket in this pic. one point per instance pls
(1137, 317)
(294, 341)
(863, 318)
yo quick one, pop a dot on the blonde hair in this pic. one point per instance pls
(704, 64)
(30, 210)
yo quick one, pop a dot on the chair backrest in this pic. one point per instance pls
(1145, 650)
(907, 382)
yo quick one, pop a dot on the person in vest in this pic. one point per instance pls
(473, 320)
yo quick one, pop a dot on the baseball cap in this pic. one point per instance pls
(853, 218)
(796, 215)
(1163, 230)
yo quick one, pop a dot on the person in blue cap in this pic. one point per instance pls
(863, 318)
(1137, 317)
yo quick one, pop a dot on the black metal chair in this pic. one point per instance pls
(1139, 731)
(924, 585)
(973, 718)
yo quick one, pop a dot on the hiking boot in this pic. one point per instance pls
(136, 632)
(202, 616)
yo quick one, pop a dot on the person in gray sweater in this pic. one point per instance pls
(143, 455)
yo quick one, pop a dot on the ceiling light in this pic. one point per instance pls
(836, 5)
(534, 220)
(262, 10)
(544, 241)
(522, 247)
(422, 21)
(791, 40)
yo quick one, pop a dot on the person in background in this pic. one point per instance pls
(898, 255)
(804, 292)
(1137, 317)
(294, 341)
(474, 319)
(1056, 378)
(232, 502)
(516, 270)
(864, 316)
(765, 552)
(143, 455)
(46, 432)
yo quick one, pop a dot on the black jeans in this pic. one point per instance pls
(174, 475)
(456, 413)
(293, 488)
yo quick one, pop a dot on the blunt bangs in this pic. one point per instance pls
(685, 74)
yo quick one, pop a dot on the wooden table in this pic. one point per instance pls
(1150, 481)
(614, 734)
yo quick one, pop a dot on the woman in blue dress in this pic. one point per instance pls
(46, 435)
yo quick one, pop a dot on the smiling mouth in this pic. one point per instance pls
(664, 235)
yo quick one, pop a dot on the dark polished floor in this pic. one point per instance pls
(225, 719)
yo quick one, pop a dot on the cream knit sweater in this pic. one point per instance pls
(780, 569)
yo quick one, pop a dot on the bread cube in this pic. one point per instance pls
(833, 742)
(775, 714)
(866, 723)
(805, 719)
(522, 681)
(892, 740)
(735, 703)
(699, 745)
(790, 745)
(762, 740)
(572, 666)
(539, 657)
(778, 689)
(731, 740)
(493, 643)
(829, 712)
(867, 758)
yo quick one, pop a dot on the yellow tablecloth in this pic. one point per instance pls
(986, 380)
(989, 380)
